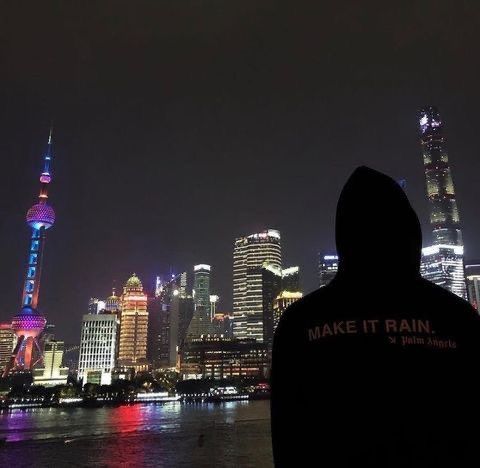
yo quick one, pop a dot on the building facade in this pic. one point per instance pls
(172, 312)
(7, 342)
(472, 275)
(52, 372)
(442, 262)
(98, 346)
(132, 346)
(327, 267)
(281, 303)
(276, 284)
(443, 265)
(271, 287)
(201, 323)
(250, 254)
(219, 358)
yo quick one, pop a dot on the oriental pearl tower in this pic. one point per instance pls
(29, 322)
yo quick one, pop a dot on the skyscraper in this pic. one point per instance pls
(201, 321)
(98, 342)
(132, 346)
(442, 263)
(7, 342)
(472, 274)
(444, 218)
(249, 255)
(29, 323)
(327, 267)
(171, 313)
(271, 287)
(280, 288)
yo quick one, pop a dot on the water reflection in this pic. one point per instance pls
(230, 434)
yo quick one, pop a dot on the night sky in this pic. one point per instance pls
(180, 125)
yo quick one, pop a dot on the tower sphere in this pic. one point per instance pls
(40, 215)
(29, 322)
(45, 178)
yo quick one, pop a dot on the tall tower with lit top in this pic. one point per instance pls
(444, 218)
(442, 262)
(29, 322)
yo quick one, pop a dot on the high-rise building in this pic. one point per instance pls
(444, 217)
(132, 346)
(281, 302)
(98, 341)
(52, 372)
(271, 287)
(201, 323)
(327, 267)
(7, 342)
(201, 285)
(172, 311)
(220, 358)
(249, 255)
(442, 263)
(280, 288)
(29, 322)
(472, 274)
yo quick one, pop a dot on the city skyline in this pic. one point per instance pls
(246, 110)
(226, 299)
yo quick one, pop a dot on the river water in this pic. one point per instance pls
(235, 434)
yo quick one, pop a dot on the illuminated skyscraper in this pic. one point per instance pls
(249, 255)
(7, 342)
(170, 313)
(98, 342)
(132, 347)
(29, 323)
(327, 267)
(444, 218)
(280, 288)
(201, 323)
(442, 263)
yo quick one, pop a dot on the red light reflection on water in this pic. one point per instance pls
(124, 450)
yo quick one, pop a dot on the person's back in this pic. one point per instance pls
(379, 367)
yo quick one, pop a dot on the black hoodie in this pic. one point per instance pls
(379, 367)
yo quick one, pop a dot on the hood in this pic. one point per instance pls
(377, 232)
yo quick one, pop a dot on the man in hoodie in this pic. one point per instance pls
(379, 367)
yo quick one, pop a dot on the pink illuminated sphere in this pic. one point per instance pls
(29, 323)
(40, 215)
